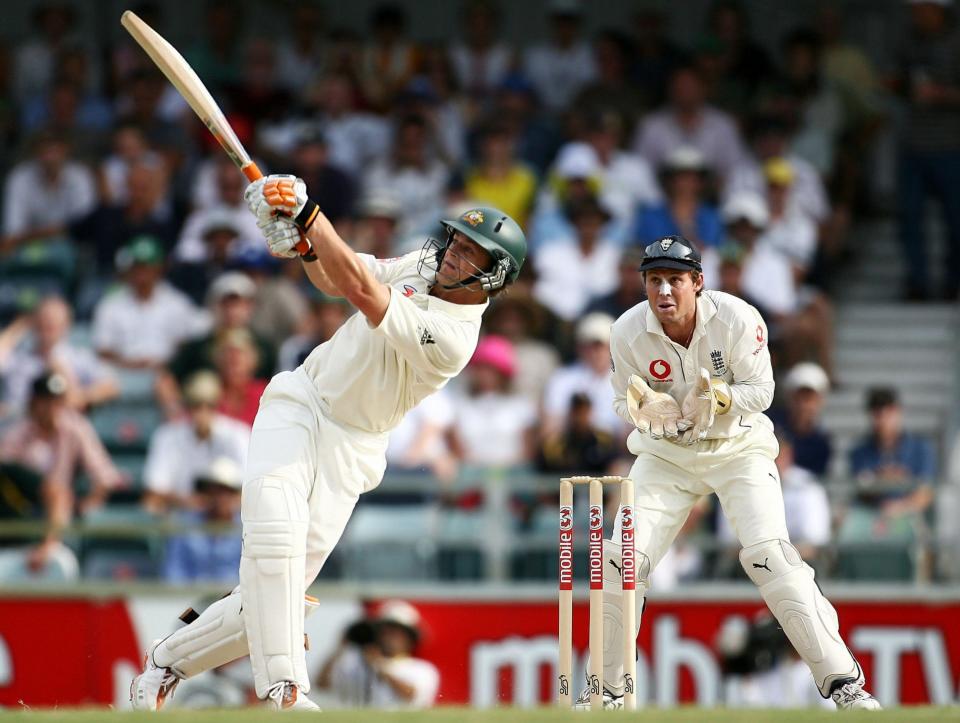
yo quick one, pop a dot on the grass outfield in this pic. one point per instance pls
(500, 715)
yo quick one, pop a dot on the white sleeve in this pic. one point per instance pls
(158, 470)
(752, 387)
(425, 680)
(623, 367)
(105, 328)
(386, 270)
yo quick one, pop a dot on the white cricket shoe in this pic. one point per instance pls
(287, 696)
(151, 689)
(852, 696)
(610, 701)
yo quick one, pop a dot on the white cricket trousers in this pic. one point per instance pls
(304, 475)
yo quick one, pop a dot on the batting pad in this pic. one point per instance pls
(272, 581)
(787, 585)
(613, 612)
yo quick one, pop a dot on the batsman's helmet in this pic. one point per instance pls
(671, 252)
(495, 232)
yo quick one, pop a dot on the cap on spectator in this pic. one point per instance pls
(778, 171)
(145, 250)
(577, 160)
(594, 327)
(202, 388)
(497, 352)
(747, 206)
(48, 385)
(380, 205)
(402, 614)
(232, 283)
(221, 472)
(881, 398)
(807, 375)
(684, 158)
(220, 220)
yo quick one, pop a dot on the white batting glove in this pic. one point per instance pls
(656, 413)
(708, 398)
(281, 235)
(278, 194)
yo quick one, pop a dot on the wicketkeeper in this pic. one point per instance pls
(691, 370)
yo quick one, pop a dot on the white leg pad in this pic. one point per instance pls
(215, 638)
(810, 622)
(272, 572)
(613, 612)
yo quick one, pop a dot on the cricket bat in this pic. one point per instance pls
(185, 80)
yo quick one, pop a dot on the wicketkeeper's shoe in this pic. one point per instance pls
(852, 696)
(154, 686)
(610, 701)
(287, 696)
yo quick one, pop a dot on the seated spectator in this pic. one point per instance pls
(522, 321)
(589, 375)
(325, 315)
(34, 344)
(493, 426)
(560, 67)
(205, 555)
(45, 193)
(685, 212)
(53, 440)
(629, 290)
(419, 442)
(806, 385)
(388, 58)
(579, 448)
(222, 249)
(130, 148)
(416, 179)
(182, 450)
(140, 324)
(330, 186)
(805, 504)
(894, 473)
(572, 272)
(374, 665)
(687, 120)
(789, 232)
(281, 300)
(236, 357)
(612, 93)
(375, 229)
(537, 132)
(481, 59)
(498, 179)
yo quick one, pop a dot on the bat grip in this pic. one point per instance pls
(253, 172)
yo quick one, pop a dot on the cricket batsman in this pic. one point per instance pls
(691, 371)
(320, 434)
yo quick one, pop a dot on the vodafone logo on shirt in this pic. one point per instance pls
(659, 369)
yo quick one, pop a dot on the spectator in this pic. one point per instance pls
(522, 321)
(536, 132)
(258, 96)
(894, 473)
(499, 179)
(196, 267)
(629, 290)
(579, 448)
(45, 193)
(130, 148)
(929, 79)
(217, 57)
(388, 61)
(326, 315)
(589, 375)
(140, 324)
(89, 382)
(685, 212)
(481, 60)
(329, 186)
(236, 357)
(375, 231)
(435, 94)
(559, 68)
(55, 26)
(571, 273)
(419, 443)
(182, 450)
(202, 555)
(656, 56)
(744, 58)
(374, 665)
(301, 54)
(574, 176)
(148, 100)
(71, 110)
(806, 385)
(52, 441)
(493, 426)
(688, 121)
(789, 232)
(415, 179)
(611, 93)
(280, 301)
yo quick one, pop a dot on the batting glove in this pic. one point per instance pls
(656, 413)
(284, 195)
(708, 398)
(282, 236)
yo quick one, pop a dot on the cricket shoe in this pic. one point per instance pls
(610, 701)
(287, 696)
(151, 689)
(852, 696)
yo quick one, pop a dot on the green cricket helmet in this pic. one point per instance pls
(495, 232)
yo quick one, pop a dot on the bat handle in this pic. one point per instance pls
(253, 172)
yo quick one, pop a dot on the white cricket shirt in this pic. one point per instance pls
(729, 341)
(369, 377)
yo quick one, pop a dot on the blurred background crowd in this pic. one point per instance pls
(142, 318)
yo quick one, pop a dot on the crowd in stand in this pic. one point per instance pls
(143, 317)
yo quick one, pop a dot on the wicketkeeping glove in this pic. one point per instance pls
(708, 398)
(656, 413)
